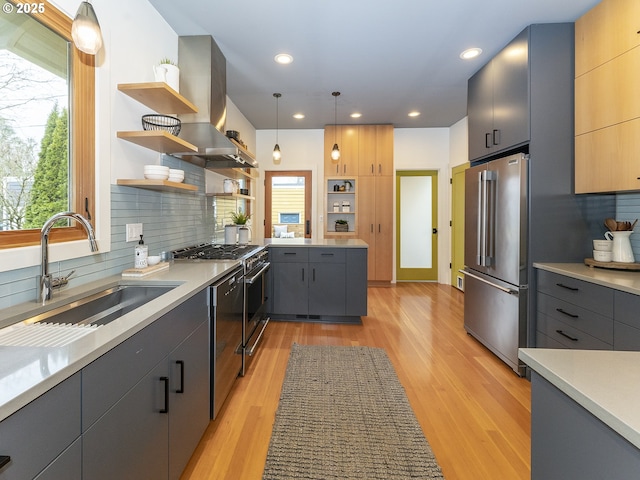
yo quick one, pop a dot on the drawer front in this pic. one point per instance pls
(625, 337)
(41, 430)
(590, 296)
(289, 254)
(627, 308)
(594, 324)
(569, 336)
(327, 255)
(542, 341)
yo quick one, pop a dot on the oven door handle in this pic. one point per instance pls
(251, 280)
(265, 322)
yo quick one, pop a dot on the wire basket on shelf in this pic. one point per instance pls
(161, 122)
(342, 227)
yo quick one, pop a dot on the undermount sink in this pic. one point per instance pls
(62, 325)
(102, 307)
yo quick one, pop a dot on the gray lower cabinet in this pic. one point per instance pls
(626, 325)
(320, 283)
(573, 314)
(568, 442)
(135, 412)
(42, 438)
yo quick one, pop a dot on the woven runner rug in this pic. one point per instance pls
(343, 414)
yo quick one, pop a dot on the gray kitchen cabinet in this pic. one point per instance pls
(573, 313)
(498, 101)
(188, 398)
(318, 283)
(133, 413)
(41, 434)
(626, 322)
(569, 442)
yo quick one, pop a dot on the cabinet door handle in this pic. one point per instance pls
(379, 168)
(344, 168)
(372, 170)
(379, 228)
(562, 285)
(313, 271)
(165, 380)
(180, 363)
(487, 140)
(372, 228)
(496, 137)
(568, 336)
(4, 459)
(567, 313)
(303, 274)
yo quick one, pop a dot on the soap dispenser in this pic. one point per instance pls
(142, 252)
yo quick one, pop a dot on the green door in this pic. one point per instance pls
(417, 225)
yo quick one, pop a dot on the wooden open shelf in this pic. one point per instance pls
(158, 140)
(159, 185)
(231, 195)
(158, 96)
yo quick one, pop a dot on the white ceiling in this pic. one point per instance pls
(385, 57)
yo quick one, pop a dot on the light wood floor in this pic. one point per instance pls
(474, 411)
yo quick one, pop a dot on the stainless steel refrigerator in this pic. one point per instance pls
(496, 255)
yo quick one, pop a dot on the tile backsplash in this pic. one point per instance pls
(170, 221)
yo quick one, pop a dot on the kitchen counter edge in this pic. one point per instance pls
(188, 279)
(605, 383)
(308, 242)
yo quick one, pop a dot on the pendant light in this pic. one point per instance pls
(335, 151)
(277, 156)
(85, 30)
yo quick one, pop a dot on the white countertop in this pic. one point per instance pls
(28, 372)
(604, 382)
(307, 242)
(624, 280)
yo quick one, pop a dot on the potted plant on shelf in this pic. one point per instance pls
(342, 225)
(167, 71)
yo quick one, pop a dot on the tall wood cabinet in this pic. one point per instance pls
(367, 151)
(607, 104)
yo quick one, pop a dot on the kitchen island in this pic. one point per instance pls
(584, 417)
(319, 281)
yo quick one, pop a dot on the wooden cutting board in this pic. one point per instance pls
(612, 265)
(141, 272)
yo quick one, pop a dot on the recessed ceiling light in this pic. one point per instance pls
(283, 58)
(414, 114)
(470, 53)
(356, 115)
(299, 116)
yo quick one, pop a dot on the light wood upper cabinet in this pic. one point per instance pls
(367, 157)
(606, 31)
(347, 139)
(376, 150)
(607, 104)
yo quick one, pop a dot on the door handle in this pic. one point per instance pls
(434, 231)
(307, 227)
(496, 137)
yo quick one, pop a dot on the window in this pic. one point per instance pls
(289, 218)
(45, 71)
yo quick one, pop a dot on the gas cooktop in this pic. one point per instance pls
(215, 251)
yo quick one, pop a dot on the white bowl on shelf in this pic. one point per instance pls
(602, 256)
(176, 172)
(176, 179)
(156, 169)
(156, 176)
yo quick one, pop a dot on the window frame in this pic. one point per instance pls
(82, 138)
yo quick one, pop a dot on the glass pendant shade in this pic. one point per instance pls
(85, 30)
(335, 152)
(276, 153)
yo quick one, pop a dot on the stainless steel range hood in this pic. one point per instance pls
(203, 80)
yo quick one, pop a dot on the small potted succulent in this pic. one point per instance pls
(240, 218)
(342, 225)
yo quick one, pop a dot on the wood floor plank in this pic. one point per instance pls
(474, 411)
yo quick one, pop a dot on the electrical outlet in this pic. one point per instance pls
(134, 230)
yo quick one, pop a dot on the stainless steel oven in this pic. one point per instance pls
(255, 299)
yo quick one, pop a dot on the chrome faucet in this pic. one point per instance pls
(46, 282)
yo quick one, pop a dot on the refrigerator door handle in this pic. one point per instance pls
(485, 213)
(480, 217)
(505, 290)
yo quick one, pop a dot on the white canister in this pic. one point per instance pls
(243, 235)
(230, 234)
(230, 186)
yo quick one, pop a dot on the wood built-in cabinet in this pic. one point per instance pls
(366, 152)
(607, 104)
